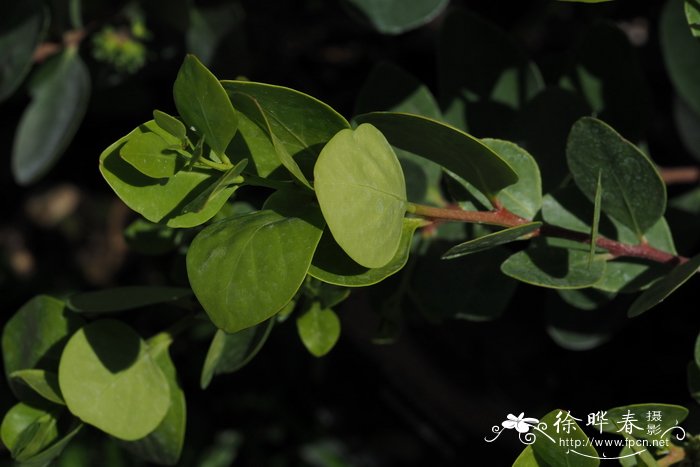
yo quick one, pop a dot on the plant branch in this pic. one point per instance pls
(504, 218)
(680, 175)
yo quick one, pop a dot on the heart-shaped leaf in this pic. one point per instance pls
(319, 329)
(362, 193)
(110, 380)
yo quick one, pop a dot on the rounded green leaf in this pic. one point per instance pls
(60, 92)
(154, 199)
(230, 352)
(360, 187)
(491, 240)
(110, 380)
(319, 329)
(243, 270)
(632, 190)
(203, 104)
(125, 298)
(664, 287)
(681, 53)
(396, 16)
(152, 155)
(333, 266)
(553, 267)
(447, 146)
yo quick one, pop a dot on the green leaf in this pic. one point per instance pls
(491, 240)
(471, 288)
(245, 269)
(34, 337)
(550, 449)
(553, 267)
(251, 108)
(633, 192)
(229, 179)
(527, 458)
(27, 429)
(148, 238)
(44, 383)
(209, 25)
(542, 127)
(231, 352)
(681, 53)
(523, 198)
(170, 124)
(606, 72)
(125, 298)
(110, 380)
(596, 217)
(153, 199)
(164, 445)
(301, 123)
(319, 329)
(483, 102)
(586, 1)
(692, 14)
(152, 156)
(396, 16)
(333, 266)
(47, 455)
(670, 416)
(447, 146)
(22, 27)
(362, 193)
(664, 287)
(696, 353)
(202, 102)
(60, 90)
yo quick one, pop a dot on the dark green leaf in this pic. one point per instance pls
(453, 149)
(230, 352)
(60, 91)
(110, 380)
(125, 298)
(687, 126)
(34, 337)
(483, 102)
(360, 187)
(163, 446)
(396, 16)
(664, 287)
(245, 269)
(586, 299)
(692, 14)
(681, 53)
(170, 124)
(633, 192)
(319, 329)
(152, 156)
(333, 266)
(489, 241)
(608, 74)
(202, 102)
(153, 199)
(586, 1)
(44, 383)
(229, 179)
(209, 25)
(148, 238)
(554, 267)
(301, 123)
(22, 27)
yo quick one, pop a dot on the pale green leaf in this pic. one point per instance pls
(319, 329)
(170, 124)
(152, 156)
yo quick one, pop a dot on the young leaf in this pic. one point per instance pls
(60, 91)
(170, 124)
(681, 53)
(44, 383)
(551, 451)
(333, 266)
(229, 179)
(202, 102)
(395, 16)
(319, 329)
(21, 29)
(153, 199)
(26, 430)
(596, 218)
(230, 352)
(109, 379)
(163, 446)
(692, 14)
(243, 270)
(553, 267)
(125, 298)
(491, 240)
(633, 192)
(53, 451)
(447, 146)
(665, 287)
(151, 155)
(362, 193)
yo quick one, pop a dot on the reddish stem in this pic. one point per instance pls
(680, 175)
